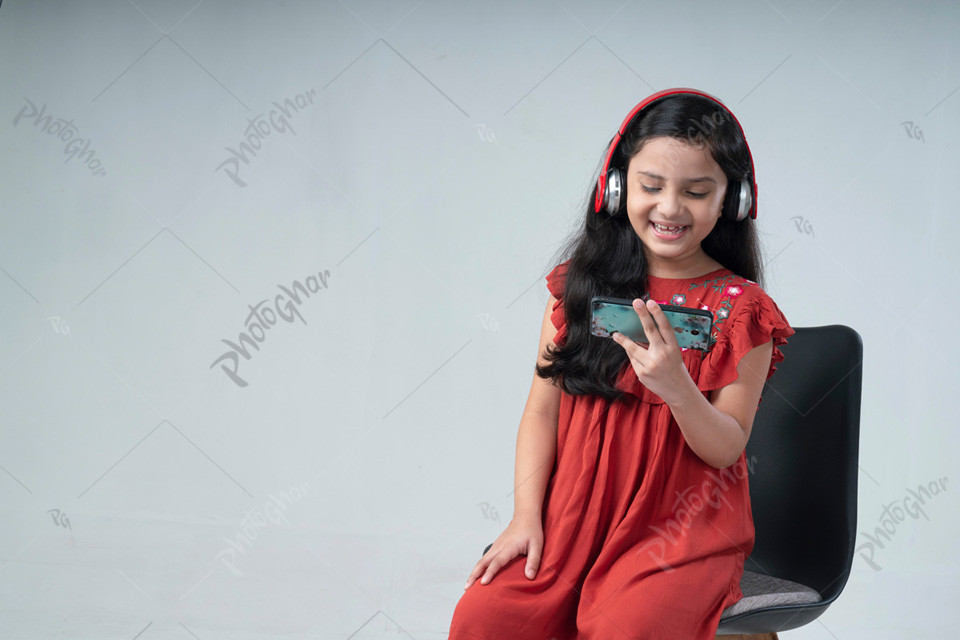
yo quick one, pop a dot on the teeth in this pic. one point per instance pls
(663, 229)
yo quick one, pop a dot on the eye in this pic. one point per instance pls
(690, 193)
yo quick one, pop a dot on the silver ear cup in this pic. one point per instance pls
(746, 200)
(614, 192)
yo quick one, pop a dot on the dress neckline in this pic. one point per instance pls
(710, 273)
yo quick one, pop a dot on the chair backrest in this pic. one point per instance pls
(803, 453)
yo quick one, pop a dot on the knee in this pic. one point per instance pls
(652, 614)
(481, 613)
(485, 612)
(468, 618)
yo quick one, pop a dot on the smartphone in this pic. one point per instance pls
(691, 326)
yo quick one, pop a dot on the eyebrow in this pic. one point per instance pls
(700, 179)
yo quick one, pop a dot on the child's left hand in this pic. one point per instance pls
(659, 365)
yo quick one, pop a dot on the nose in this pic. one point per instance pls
(669, 203)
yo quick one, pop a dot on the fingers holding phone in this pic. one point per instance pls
(690, 327)
(663, 331)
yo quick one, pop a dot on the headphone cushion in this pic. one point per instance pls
(615, 194)
(733, 208)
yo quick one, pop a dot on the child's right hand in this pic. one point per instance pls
(523, 536)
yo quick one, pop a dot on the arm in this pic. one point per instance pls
(536, 452)
(717, 429)
(537, 435)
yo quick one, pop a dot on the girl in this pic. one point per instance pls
(631, 495)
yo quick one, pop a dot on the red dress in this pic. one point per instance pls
(642, 539)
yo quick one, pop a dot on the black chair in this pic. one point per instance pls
(803, 485)
(804, 448)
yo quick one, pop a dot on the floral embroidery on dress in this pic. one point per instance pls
(730, 286)
(716, 283)
(722, 312)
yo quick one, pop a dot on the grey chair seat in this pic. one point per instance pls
(761, 591)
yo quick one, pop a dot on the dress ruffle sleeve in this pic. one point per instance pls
(754, 321)
(555, 280)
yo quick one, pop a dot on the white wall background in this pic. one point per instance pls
(434, 158)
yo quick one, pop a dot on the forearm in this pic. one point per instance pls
(716, 437)
(536, 453)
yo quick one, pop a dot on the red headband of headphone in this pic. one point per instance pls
(602, 179)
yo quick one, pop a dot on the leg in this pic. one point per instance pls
(513, 606)
(630, 602)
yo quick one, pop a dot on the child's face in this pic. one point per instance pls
(662, 188)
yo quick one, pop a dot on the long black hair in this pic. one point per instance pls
(607, 257)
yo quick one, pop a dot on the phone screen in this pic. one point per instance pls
(691, 326)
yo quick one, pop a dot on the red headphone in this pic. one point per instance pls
(609, 193)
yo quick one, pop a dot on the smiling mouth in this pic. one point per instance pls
(663, 230)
